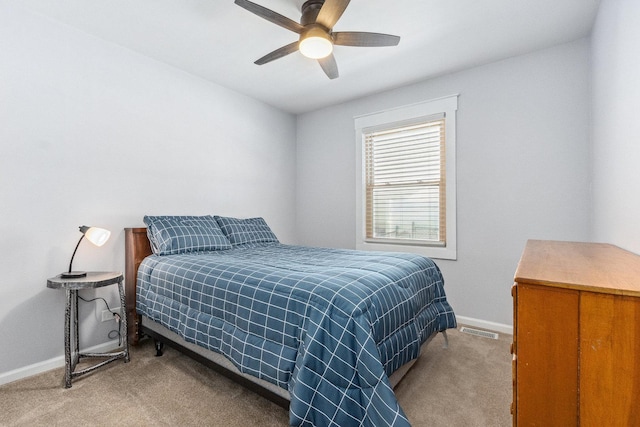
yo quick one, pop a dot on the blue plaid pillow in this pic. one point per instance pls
(181, 234)
(250, 230)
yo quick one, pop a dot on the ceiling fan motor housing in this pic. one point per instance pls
(310, 10)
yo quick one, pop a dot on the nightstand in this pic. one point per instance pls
(92, 280)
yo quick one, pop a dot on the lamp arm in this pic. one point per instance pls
(74, 252)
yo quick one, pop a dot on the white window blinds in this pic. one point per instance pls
(405, 182)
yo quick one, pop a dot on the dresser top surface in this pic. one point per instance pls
(595, 267)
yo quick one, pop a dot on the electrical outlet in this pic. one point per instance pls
(108, 315)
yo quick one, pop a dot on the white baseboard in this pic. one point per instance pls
(47, 365)
(485, 324)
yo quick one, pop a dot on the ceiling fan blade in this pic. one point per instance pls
(278, 53)
(270, 16)
(329, 66)
(331, 11)
(364, 39)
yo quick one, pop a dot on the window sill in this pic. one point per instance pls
(436, 252)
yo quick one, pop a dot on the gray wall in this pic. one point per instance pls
(616, 127)
(95, 134)
(522, 168)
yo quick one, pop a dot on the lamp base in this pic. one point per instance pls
(73, 274)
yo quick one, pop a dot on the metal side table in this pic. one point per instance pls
(95, 279)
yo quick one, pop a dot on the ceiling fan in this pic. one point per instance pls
(316, 32)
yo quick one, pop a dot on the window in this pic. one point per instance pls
(405, 183)
(406, 189)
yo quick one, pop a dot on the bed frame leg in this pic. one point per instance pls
(159, 347)
(446, 339)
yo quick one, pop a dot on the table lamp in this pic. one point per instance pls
(97, 236)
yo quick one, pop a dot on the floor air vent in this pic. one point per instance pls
(479, 333)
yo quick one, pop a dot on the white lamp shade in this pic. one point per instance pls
(97, 236)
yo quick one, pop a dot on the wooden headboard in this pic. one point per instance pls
(136, 248)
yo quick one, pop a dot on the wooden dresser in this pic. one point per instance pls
(576, 337)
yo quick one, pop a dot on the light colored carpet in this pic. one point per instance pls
(467, 384)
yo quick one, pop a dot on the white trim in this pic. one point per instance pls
(47, 365)
(447, 105)
(485, 324)
(452, 101)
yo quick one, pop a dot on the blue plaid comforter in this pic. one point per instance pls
(328, 325)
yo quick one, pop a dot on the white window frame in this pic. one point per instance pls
(447, 105)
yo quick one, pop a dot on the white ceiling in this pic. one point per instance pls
(218, 41)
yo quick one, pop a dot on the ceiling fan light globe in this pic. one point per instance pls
(316, 44)
(316, 47)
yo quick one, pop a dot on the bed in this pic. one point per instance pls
(324, 332)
